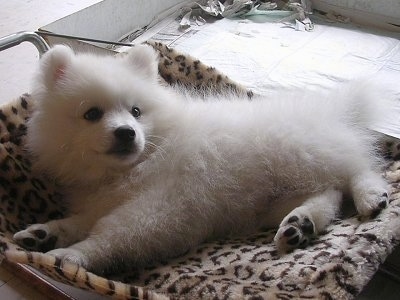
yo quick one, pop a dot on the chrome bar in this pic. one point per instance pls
(24, 36)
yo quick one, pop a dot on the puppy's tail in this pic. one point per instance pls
(364, 104)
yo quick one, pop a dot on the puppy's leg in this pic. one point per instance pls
(307, 220)
(369, 191)
(53, 234)
(135, 233)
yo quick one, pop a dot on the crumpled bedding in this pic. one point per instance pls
(272, 57)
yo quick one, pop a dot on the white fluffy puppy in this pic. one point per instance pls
(150, 173)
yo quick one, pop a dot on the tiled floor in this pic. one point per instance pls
(17, 288)
(12, 287)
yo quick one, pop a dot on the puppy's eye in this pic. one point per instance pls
(135, 112)
(93, 114)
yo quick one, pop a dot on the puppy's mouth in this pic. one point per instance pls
(123, 150)
(126, 144)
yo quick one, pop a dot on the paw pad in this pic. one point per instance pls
(383, 203)
(295, 231)
(294, 241)
(307, 226)
(290, 231)
(36, 238)
(28, 243)
(40, 234)
(293, 219)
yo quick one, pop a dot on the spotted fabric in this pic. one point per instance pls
(336, 265)
(176, 68)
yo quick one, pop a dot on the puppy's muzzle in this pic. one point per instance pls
(124, 141)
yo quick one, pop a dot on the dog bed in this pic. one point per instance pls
(336, 265)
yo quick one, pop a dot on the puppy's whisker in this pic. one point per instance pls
(160, 149)
(162, 139)
(156, 146)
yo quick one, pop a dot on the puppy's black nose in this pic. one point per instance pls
(125, 133)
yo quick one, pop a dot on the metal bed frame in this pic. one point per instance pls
(24, 36)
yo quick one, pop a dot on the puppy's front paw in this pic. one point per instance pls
(70, 255)
(295, 231)
(36, 237)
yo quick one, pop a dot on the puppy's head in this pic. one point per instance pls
(93, 113)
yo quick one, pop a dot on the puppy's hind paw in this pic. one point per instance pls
(380, 203)
(294, 232)
(370, 197)
(36, 237)
(371, 201)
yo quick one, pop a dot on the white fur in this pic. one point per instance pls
(201, 169)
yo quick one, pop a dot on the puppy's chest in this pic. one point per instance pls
(101, 200)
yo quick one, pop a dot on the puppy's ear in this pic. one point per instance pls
(144, 60)
(54, 63)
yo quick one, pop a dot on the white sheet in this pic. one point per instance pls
(271, 57)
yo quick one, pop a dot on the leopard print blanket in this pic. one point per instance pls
(336, 265)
